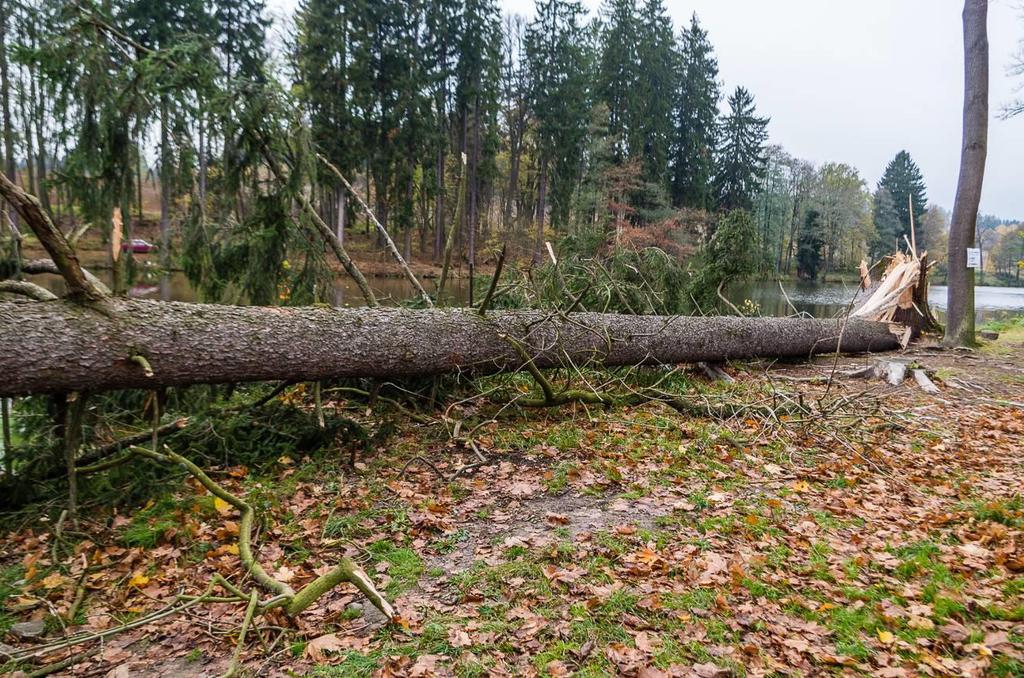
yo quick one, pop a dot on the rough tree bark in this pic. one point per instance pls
(60, 346)
(960, 300)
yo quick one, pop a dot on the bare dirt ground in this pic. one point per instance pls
(875, 530)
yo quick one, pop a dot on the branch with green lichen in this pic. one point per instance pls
(293, 602)
(552, 398)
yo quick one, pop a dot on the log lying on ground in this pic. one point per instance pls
(60, 346)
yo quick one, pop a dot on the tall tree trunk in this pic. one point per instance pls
(1020, 263)
(474, 185)
(513, 181)
(407, 227)
(439, 204)
(42, 183)
(342, 202)
(203, 152)
(960, 294)
(26, 133)
(61, 346)
(165, 182)
(5, 98)
(792, 235)
(10, 164)
(139, 179)
(542, 196)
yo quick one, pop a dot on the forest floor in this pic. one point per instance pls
(883, 537)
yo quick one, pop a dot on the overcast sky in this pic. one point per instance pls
(856, 81)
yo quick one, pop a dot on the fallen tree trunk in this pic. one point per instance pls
(60, 346)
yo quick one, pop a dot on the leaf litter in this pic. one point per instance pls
(628, 541)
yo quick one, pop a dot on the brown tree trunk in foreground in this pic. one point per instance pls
(60, 346)
(960, 300)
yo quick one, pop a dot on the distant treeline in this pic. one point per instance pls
(443, 115)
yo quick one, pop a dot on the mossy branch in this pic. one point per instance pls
(26, 289)
(551, 398)
(283, 595)
(143, 362)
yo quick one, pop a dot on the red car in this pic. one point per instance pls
(137, 246)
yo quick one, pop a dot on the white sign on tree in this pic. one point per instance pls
(973, 257)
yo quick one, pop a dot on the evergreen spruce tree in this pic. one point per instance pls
(887, 224)
(323, 78)
(477, 102)
(441, 32)
(559, 72)
(515, 89)
(809, 245)
(696, 116)
(387, 74)
(618, 75)
(658, 68)
(903, 181)
(636, 80)
(741, 152)
(165, 25)
(240, 37)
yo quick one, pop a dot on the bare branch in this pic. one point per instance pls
(26, 289)
(52, 240)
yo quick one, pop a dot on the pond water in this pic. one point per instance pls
(824, 300)
(821, 300)
(175, 286)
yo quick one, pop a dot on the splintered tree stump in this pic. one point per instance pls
(902, 296)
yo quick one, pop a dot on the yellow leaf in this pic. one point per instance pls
(646, 555)
(138, 581)
(53, 580)
(222, 506)
(921, 623)
(801, 486)
(886, 637)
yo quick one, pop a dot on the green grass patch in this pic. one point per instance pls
(852, 626)
(449, 542)
(8, 576)
(694, 599)
(559, 479)
(150, 524)
(362, 524)
(404, 566)
(1009, 512)
(353, 665)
